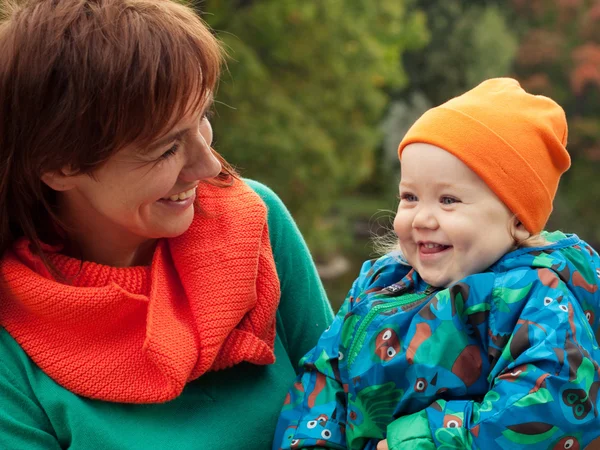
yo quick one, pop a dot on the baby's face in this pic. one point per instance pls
(449, 222)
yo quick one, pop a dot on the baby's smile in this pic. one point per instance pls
(431, 248)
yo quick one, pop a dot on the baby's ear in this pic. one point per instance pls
(59, 180)
(519, 232)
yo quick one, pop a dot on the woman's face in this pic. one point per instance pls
(140, 195)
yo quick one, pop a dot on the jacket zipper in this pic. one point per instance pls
(374, 311)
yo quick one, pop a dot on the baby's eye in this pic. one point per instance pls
(408, 197)
(449, 200)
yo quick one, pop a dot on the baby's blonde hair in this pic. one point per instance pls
(536, 240)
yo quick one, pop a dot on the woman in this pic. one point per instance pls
(149, 298)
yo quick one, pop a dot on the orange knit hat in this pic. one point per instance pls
(513, 140)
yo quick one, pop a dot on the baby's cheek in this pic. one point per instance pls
(402, 224)
(483, 257)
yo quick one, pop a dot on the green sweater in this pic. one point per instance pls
(231, 409)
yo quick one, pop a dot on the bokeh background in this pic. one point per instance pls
(318, 93)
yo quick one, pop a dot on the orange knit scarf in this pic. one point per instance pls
(139, 334)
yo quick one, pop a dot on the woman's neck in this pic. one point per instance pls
(111, 246)
(114, 254)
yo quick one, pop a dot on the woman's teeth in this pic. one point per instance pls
(432, 245)
(182, 195)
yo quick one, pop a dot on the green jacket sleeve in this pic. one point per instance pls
(304, 311)
(23, 422)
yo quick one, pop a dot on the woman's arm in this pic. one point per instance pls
(23, 422)
(304, 309)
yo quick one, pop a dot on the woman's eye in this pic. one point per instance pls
(208, 114)
(449, 200)
(170, 152)
(408, 197)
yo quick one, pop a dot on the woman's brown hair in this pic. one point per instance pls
(82, 79)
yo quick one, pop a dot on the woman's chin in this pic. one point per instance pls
(172, 229)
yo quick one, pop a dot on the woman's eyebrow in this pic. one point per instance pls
(178, 134)
(168, 138)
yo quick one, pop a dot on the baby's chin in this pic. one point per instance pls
(434, 276)
(438, 282)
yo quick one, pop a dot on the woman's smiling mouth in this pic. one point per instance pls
(181, 195)
(180, 201)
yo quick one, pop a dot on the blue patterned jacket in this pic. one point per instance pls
(504, 359)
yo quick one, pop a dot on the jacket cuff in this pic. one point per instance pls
(410, 432)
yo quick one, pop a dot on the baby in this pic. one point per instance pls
(478, 332)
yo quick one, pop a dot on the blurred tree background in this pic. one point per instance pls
(318, 94)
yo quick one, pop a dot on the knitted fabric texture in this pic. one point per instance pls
(138, 335)
(513, 140)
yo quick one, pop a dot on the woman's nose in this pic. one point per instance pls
(201, 163)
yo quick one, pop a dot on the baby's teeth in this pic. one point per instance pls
(174, 198)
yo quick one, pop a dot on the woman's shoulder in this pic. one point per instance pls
(282, 228)
(265, 192)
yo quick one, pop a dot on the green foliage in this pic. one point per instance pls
(492, 44)
(305, 91)
(470, 41)
(575, 208)
(559, 56)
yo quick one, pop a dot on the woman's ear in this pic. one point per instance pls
(59, 180)
(519, 232)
